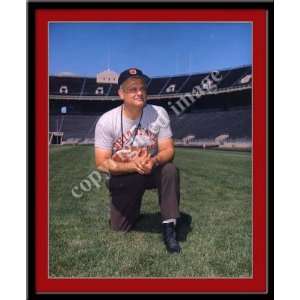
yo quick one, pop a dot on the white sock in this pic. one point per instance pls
(169, 221)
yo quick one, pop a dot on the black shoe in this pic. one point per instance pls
(183, 227)
(169, 237)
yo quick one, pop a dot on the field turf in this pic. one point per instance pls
(216, 205)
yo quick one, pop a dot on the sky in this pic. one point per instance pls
(158, 49)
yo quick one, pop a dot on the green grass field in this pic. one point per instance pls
(215, 195)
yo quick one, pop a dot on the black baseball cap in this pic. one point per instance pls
(132, 73)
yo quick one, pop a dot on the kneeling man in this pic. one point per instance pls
(134, 145)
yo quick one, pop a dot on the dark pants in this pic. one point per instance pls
(127, 192)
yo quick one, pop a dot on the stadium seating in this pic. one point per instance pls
(74, 85)
(92, 88)
(74, 126)
(210, 124)
(157, 86)
(233, 77)
(225, 113)
(191, 82)
(204, 125)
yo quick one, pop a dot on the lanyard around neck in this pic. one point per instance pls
(136, 129)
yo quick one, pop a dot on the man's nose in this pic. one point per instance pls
(139, 92)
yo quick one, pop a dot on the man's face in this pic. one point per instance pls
(133, 92)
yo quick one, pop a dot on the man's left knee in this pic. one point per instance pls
(170, 169)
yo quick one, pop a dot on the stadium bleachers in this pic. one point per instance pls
(205, 125)
(226, 113)
(191, 82)
(74, 126)
(210, 124)
(74, 85)
(157, 86)
(233, 77)
(91, 86)
(172, 85)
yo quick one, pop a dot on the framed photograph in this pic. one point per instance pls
(186, 206)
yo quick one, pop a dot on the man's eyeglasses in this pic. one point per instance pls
(135, 90)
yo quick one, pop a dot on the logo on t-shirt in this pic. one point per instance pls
(129, 154)
(144, 138)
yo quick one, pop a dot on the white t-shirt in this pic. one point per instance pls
(155, 125)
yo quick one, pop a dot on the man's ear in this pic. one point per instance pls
(121, 93)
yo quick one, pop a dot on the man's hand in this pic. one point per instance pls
(141, 164)
(148, 166)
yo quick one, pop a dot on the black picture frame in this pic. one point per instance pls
(32, 8)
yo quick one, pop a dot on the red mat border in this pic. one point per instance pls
(257, 284)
